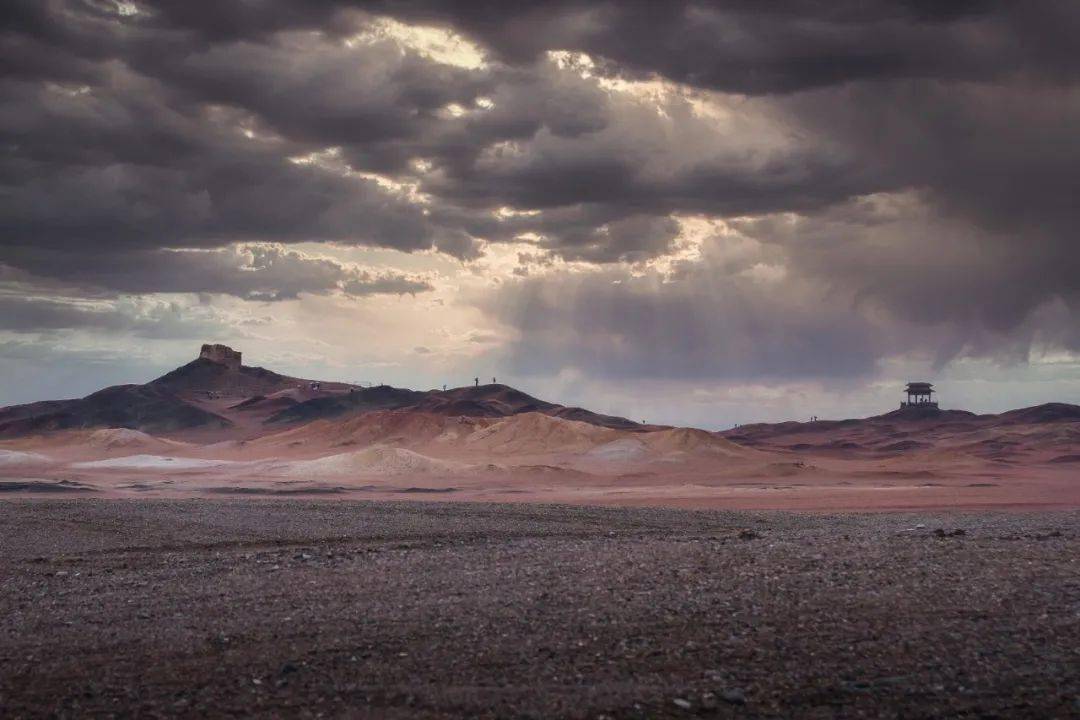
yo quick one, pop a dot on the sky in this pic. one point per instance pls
(702, 213)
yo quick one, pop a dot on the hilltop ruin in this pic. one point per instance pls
(221, 354)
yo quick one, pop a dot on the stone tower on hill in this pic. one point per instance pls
(221, 354)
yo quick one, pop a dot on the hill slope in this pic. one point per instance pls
(147, 408)
(208, 394)
(487, 401)
(1017, 434)
(201, 375)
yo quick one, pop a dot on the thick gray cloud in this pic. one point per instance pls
(902, 164)
(254, 272)
(901, 254)
(140, 143)
(751, 47)
(825, 298)
(152, 320)
(160, 178)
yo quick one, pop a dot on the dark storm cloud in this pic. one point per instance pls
(256, 272)
(122, 168)
(900, 254)
(748, 312)
(127, 136)
(752, 47)
(735, 45)
(21, 314)
(144, 147)
(638, 237)
(147, 150)
(310, 89)
(1003, 156)
(155, 320)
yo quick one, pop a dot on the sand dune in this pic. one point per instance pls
(694, 441)
(151, 462)
(536, 434)
(378, 460)
(670, 445)
(622, 450)
(387, 427)
(128, 439)
(18, 458)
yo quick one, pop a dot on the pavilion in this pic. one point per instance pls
(919, 394)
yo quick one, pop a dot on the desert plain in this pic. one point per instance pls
(300, 608)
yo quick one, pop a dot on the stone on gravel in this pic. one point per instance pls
(733, 696)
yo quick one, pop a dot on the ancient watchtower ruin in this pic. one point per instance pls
(222, 354)
(919, 394)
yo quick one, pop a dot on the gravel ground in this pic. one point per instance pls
(436, 610)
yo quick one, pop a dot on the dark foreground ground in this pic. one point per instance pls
(211, 608)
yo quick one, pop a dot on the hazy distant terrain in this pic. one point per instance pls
(210, 429)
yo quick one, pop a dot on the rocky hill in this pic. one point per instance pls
(204, 376)
(215, 390)
(488, 401)
(1050, 432)
(222, 398)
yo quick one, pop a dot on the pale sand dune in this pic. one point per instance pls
(694, 441)
(670, 446)
(378, 460)
(126, 438)
(535, 433)
(151, 462)
(622, 450)
(86, 445)
(18, 458)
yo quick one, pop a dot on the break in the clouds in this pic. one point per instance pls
(719, 192)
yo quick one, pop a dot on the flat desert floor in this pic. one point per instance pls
(298, 608)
